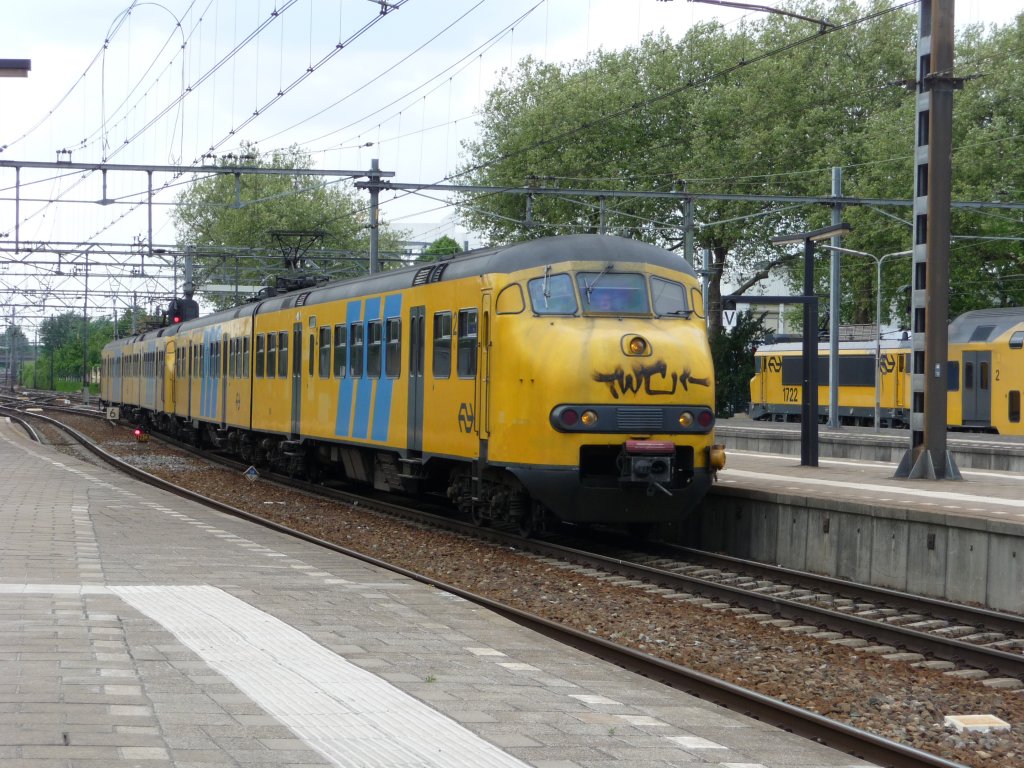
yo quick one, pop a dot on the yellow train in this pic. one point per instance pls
(985, 376)
(567, 377)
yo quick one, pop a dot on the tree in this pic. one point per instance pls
(733, 353)
(766, 107)
(252, 228)
(443, 246)
(62, 352)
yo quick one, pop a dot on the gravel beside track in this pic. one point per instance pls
(889, 698)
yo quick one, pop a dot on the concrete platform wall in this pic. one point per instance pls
(961, 559)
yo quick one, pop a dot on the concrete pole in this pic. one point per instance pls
(833, 306)
(374, 216)
(809, 409)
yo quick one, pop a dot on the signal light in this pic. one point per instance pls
(569, 417)
(706, 419)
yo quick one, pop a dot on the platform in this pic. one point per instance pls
(850, 517)
(141, 629)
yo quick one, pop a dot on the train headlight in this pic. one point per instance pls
(637, 345)
(589, 418)
(685, 419)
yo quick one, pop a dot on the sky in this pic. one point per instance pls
(177, 81)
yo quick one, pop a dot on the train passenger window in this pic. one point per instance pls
(271, 355)
(261, 355)
(442, 359)
(1017, 340)
(355, 343)
(282, 354)
(1014, 406)
(393, 352)
(552, 295)
(373, 348)
(510, 300)
(982, 375)
(245, 357)
(669, 298)
(340, 352)
(224, 357)
(467, 342)
(968, 375)
(325, 352)
(312, 352)
(613, 293)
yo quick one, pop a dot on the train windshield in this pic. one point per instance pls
(552, 295)
(619, 293)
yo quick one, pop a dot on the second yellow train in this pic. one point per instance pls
(984, 377)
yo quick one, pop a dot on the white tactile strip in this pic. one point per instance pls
(349, 715)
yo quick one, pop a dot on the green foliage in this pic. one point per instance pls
(443, 246)
(733, 353)
(245, 228)
(62, 354)
(764, 107)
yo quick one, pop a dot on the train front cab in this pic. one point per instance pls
(602, 414)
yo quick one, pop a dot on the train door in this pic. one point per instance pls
(296, 377)
(193, 370)
(417, 342)
(171, 361)
(224, 357)
(762, 379)
(483, 403)
(977, 389)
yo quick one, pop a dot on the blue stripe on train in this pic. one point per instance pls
(382, 401)
(364, 389)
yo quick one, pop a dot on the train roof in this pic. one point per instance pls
(982, 325)
(499, 259)
(496, 260)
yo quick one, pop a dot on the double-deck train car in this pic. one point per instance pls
(984, 377)
(567, 377)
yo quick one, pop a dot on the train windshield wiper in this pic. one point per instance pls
(588, 287)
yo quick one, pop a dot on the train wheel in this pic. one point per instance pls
(532, 520)
(476, 514)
